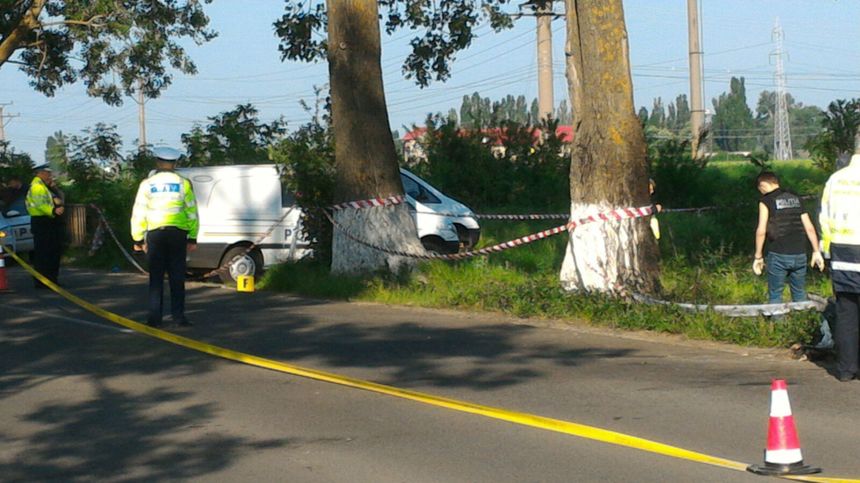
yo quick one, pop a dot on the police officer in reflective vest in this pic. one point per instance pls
(840, 240)
(785, 225)
(44, 208)
(164, 225)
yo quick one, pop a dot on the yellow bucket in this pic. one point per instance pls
(245, 283)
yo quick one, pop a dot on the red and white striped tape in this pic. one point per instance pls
(370, 203)
(613, 215)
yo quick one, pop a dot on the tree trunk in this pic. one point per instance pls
(608, 167)
(365, 156)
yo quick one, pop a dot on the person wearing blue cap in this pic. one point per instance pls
(45, 208)
(164, 225)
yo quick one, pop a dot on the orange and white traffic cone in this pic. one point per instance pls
(4, 284)
(782, 456)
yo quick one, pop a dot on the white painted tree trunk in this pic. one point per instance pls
(390, 227)
(604, 257)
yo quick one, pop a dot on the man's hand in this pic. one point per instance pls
(190, 247)
(758, 266)
(140, 247)
(817, 261)
(59, 210)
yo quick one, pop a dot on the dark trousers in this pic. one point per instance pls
(847, 332)
(47, 247)
(166, 251)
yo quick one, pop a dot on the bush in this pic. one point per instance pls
(528, 176)
(308, 156)
(839, 126)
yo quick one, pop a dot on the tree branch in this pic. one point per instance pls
(93, 22)
(29, 22)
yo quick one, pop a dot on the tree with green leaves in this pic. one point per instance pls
(534, 112)
(14, 163)
(563, 114)
(366, 161)
(658, 114)
(232, 137)
(608, 168)
(832, 147)
(733, 118)
(57, 151)
(805, 121)
(115, 48)
(96, 154)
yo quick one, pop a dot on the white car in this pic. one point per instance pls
(239, 204)
(444, 224)
(15, 223)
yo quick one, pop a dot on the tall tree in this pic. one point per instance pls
(452, 116)
(466, 119)
(364, 150)
(682, 113)
(563, 114)
(733, 118)
(56, 150)
(534, 113)
(122, 46)
(522, 116)
(608, 166)
(658, 114)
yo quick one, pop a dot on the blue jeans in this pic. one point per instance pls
(780, 266)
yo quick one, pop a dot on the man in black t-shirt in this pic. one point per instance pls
(784, 223)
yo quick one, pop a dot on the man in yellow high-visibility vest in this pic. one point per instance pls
(45, 207)
(164, 225)
(840, 242)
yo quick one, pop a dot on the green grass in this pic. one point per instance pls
(706, 259)
(483, 285)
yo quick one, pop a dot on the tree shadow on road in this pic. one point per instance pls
(123, 436)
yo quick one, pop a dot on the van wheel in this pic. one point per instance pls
(436, 245)
(241, 263)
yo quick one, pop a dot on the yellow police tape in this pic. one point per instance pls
(525, 419)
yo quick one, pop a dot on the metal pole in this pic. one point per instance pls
(697, 108)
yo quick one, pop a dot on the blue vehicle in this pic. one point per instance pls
(15, 222)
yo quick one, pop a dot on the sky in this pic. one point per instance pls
(242, 65)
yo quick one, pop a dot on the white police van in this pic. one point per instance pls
(444, 224)
(238, 205)
(15, 223)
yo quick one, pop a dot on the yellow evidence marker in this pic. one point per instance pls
(245, 283)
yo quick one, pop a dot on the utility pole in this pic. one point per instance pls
(543, 13)
(4, 120)
(141, 117)
(781, 126)
(546, 102)
(697, 108)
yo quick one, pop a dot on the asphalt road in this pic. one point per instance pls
(81, 400)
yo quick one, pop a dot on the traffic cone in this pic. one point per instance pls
(782, 456)
(4, 284)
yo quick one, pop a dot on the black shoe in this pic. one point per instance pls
(845, 377)
(154, 324)
(185, 323)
